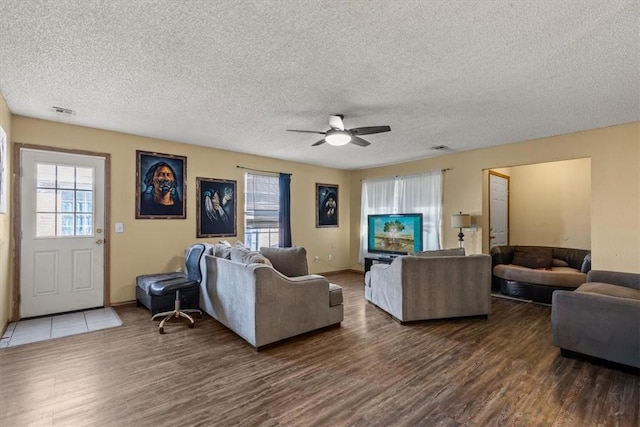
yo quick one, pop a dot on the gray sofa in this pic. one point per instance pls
(601, 318)
(431, 285)
(261, 304)
(535, 272)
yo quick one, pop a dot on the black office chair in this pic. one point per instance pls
(153, 290)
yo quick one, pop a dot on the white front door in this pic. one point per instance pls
(62, 232)
(498, 209)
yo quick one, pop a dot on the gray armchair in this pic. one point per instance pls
(424, 287)
(601, 318)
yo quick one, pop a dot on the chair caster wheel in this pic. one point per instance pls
(190, 325)
(161, 330)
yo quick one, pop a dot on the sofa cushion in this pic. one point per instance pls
(610, 290)
(335, 295)
(563, 277)
(291, 262)
(246, 256)
(533, 257)
(442, 252)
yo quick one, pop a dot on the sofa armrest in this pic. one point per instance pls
(288, 306)
(629, 280)
(501, 255)
(585, 267)
(385, 282)
(597, 325)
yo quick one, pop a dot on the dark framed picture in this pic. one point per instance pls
(161, 184)
(326, 205)
(216, 212)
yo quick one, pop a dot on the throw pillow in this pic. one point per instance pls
(222, 249)
(556, 262)
(246, 256)
(291, 262)
(533, 257)
(442, 252)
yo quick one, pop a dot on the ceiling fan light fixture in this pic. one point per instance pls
(337, 137)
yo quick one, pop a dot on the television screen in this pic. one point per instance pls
(398, 234)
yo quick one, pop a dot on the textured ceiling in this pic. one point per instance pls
(235, 74)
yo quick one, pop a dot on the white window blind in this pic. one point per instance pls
(262, 206)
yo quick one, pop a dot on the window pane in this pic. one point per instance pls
(84, 178)
(66, 177)
(66, 200)
(84, 225)
(45, 200)
(66, 225)
(45, 175)
(84, 202)
(45, 225)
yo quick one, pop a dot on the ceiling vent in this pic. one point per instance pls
(66, 111)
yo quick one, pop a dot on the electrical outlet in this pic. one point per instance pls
(330, 257)
(316, 258)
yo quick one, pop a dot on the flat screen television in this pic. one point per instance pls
(394, 234)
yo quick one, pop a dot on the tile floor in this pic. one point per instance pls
(61, 325)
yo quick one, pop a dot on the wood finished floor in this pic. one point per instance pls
(372, 371)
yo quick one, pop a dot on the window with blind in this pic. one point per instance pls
(261, 210)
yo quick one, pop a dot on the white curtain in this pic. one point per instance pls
(420, 193)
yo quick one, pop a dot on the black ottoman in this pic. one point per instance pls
(173, 295)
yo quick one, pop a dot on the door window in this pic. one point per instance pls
(64, 200)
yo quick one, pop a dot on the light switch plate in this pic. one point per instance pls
(119, 227)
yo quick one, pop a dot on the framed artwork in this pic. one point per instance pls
(161, 184)
(216, 211)
(326, 205)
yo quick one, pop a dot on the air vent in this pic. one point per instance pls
(61, 110)
(439, 147)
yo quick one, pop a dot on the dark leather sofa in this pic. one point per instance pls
(534, 272)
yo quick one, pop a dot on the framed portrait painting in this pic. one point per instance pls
(326, 205)
(161, 184)
(216, 212)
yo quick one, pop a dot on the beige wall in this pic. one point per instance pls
(615, 188)
(5, 228)
(157, 245)
(550, 204)
(148, 246)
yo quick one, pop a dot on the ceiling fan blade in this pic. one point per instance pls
(335, 122)
(322, 141)
(359, 141)
(305, 131)
(369, 130)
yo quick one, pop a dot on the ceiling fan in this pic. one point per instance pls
(338, 135)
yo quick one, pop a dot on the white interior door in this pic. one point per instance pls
(498, 210)
(62, 232)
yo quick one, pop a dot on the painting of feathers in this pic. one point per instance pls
(216, 212)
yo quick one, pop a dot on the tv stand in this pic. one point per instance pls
(383, 259)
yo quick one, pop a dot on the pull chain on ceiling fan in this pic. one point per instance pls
(338, 135)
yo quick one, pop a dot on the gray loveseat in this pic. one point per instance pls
(601, 318)
(431, 285)
(248, 294)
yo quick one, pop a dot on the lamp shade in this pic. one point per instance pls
(460, 220)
